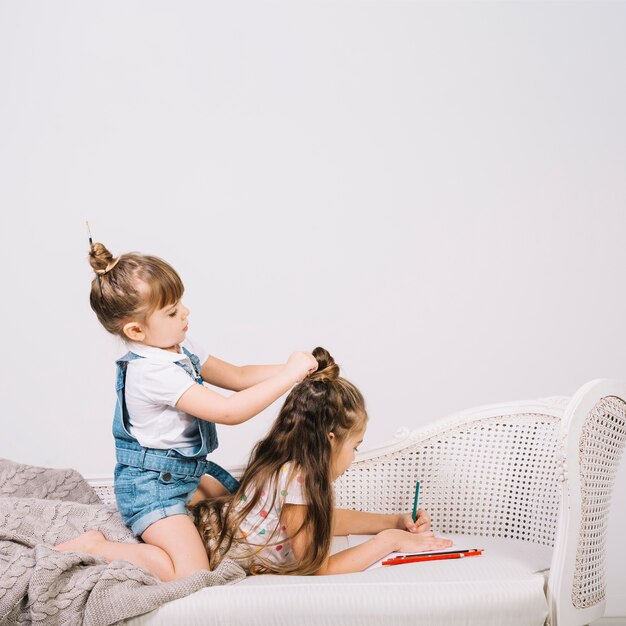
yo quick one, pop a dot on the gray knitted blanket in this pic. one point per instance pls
(40, 508)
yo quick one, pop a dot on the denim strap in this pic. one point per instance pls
(196, 368)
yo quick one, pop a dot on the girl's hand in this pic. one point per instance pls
(404, 541)
(300, 364)
(421, 525)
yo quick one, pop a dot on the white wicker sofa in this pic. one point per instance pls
(531, 483)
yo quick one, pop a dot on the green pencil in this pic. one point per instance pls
(417, 495)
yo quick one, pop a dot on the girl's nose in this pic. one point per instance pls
(184, 311)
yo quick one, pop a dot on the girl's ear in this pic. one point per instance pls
(134, 331)
(331, 436)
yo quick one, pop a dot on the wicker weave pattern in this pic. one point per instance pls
(497, 477)
(105, 493)
(602, 443)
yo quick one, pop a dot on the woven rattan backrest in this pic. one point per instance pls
(602, 442)
(105, 491)
(496, 476)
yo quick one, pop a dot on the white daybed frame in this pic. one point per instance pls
(540, 472)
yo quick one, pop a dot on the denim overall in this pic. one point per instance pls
(152, 484)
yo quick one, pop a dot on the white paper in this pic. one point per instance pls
(355, 540)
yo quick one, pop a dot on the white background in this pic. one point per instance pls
(435, 192)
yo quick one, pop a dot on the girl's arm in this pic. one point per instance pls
(348, 522)
(358, 558)
(206, 404)
(236, 377)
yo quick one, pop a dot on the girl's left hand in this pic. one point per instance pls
(421, 525)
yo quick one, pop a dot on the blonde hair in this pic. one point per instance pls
(322, 403)
(130, 286)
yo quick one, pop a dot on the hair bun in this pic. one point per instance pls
(99, 257)
(327, 370)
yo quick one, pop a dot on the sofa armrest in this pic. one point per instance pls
(594, 437)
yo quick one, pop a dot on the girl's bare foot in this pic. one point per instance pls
(86, 542)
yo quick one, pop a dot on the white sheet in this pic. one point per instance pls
(355, 540)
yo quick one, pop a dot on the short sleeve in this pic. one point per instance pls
(157, 383)
(295, 489)
(196, 348)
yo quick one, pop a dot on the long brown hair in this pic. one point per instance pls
(130, 286)
(322, 403)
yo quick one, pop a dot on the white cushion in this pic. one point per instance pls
(503, 587)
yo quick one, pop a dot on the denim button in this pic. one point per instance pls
(167, 476)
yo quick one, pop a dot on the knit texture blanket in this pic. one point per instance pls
(40, 508)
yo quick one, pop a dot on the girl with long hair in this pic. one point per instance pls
(282, 519)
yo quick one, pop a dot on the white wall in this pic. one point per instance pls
(433, 191)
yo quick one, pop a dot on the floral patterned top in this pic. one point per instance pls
(262, 527)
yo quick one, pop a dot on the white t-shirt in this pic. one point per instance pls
(153, 386)
(262, 526)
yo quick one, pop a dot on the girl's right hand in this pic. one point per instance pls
(300, 364)
(404, 541)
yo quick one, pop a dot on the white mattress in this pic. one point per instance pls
(503, 587)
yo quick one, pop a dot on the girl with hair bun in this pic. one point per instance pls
(164, 423)
(281, 519)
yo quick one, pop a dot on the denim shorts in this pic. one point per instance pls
(145, 496)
